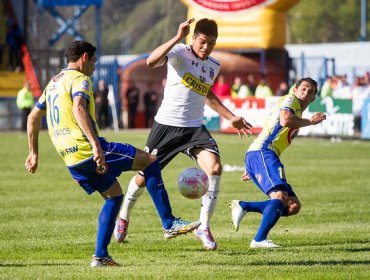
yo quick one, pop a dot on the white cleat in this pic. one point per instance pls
(264, 244)
(237, 213)
(206, 237)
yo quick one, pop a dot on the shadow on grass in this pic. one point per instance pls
(309, 263)
(35, 264)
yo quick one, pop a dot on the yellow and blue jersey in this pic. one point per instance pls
(57, 99)
(273, 136)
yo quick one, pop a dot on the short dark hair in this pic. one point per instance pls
(308, 80)
(207, 27)
(78, 48)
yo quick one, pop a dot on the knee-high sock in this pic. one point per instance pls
(158, 193)
(132, 195)
(106, 223)
(258, 206)
(209, 201)
(270, 216)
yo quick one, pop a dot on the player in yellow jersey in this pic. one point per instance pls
(93, 162)
(263, 165)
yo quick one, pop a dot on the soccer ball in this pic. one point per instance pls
(193, 183)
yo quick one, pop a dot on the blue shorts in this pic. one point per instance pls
(118, 157)
(267, 172)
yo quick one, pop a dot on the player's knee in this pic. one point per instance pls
(140, 179)
(294, 208)
(216, 169)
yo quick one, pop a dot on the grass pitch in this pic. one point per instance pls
(48, 224)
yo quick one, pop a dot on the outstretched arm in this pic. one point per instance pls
(288, 119)
(158, 56)
(239, 123)
(33, 129)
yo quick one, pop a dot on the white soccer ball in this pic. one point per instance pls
(193, 183)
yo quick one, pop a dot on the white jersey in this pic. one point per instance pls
(188, 82)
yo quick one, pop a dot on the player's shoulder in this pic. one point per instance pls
(289, 100)
(214, 61)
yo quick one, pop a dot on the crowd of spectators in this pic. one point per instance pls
(336, 87)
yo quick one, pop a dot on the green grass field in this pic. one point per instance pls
(48, 224)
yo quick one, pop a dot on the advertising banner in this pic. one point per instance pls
(339, 122)
(365, 120)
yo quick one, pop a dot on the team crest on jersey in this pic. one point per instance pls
(211, 73)
(85, 84)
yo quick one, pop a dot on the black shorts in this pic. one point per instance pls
(166, 141)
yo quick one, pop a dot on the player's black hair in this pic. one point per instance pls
(78, 48)
(207, 27)
(308, 80)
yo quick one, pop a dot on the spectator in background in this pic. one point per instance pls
(132, 94)
(25, 103)
(327, 88)
(342, 90)
(360, 91)
(251, 83)
(263, 90)
(14, 41)
(282, 90)
(221, 88)
(239, 89)
(150, 103)
(101, 104)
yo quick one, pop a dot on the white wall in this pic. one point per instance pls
(350, 58)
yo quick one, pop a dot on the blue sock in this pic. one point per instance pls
(158, 193)
(270, 217)
(254, 206)
(106, 223)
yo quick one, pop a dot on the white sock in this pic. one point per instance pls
(209, 201)
(133, 193)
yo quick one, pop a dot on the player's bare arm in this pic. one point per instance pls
(158, 56)
(83, 120)
(288, 119)
(239, 123)
(33, 129)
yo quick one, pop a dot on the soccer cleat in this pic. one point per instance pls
(206, 237)
(264, 244)
(180, 227)
(105, 261)
(120, 231)
(237, 213)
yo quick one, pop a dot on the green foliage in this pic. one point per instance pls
(317, 21)
(48, 224)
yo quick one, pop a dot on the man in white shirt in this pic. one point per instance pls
(178, 125)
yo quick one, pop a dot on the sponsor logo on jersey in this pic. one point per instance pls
(85, 84)
(69, 150)
(195, 84)
(61, 132)
(57, 77)
(194, 63)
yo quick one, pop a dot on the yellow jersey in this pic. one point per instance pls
(57, 99)
(273, 136)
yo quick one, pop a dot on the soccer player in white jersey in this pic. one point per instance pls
(263, 165)
(93, 162)
(178, 126)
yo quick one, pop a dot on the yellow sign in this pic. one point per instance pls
(244, 23)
